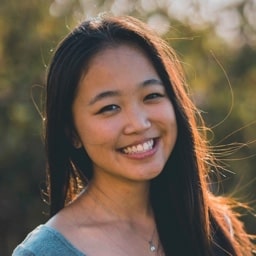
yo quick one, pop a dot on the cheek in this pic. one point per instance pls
(166, 115)
(98, 132)
(168, 118)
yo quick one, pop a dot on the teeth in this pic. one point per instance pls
(140, 148)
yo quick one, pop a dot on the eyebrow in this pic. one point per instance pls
(112, 93)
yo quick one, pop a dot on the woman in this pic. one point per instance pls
(127, 166)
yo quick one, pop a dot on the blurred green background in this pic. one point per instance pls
(216, 41)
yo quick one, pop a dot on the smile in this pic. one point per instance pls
(139, 148)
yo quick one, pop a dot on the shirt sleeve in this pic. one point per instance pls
(45, 241)
(21, 251)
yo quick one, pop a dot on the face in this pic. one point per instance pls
(123, 116)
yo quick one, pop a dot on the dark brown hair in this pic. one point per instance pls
(190, 219)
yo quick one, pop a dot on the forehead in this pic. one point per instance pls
(122, 67)
(117, 59)
(118, 52)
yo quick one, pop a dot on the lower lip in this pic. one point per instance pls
(143, 155)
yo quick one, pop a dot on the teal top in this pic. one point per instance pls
(44, 241)
(47, 241)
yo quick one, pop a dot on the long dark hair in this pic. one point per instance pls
(190, 219)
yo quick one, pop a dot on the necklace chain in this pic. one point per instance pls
(153, 248)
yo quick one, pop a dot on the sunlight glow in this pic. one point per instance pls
(225, 16)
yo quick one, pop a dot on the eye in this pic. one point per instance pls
(154, 96)
(109, 109)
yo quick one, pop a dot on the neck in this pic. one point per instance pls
(121, 209)
(122, 201)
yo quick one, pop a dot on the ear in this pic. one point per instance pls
(73, 138)
(76, 142)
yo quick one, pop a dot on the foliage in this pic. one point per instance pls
(221, 73)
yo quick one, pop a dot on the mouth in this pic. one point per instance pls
(139, 148)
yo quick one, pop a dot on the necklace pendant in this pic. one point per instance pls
(152, 247)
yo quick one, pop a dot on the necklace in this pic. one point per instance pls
(153, 248)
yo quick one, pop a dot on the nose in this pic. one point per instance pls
(136, 121)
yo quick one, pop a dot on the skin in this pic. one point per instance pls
(120, 106)
(121, 103)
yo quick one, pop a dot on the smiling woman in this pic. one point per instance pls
(127, 167)
(120, 109)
